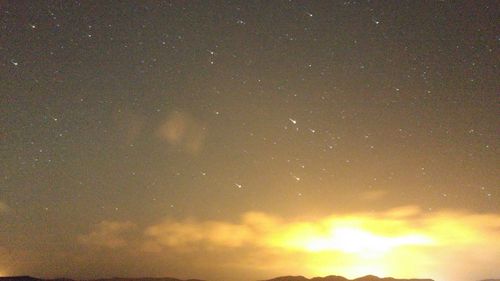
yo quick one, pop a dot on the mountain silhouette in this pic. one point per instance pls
(282, 278)
(340, 278)
(302, 278)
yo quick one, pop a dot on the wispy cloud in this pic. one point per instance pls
(182, 130)
(108, 234)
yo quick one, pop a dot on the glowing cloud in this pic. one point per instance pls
(404, 242)
(182, 130)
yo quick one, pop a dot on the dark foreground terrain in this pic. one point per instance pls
(283, 278)
(340, 278)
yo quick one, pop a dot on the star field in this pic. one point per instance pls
(137, 111)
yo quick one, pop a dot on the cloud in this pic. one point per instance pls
(108, 234)
(373, 195)
(402, 242)
(182, 130)
(263, 230)
(211, 233)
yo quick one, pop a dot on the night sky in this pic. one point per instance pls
(238, 140)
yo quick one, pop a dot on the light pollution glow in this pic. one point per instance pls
(404, 242)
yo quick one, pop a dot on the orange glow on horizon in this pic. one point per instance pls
(357, 245)
(403, 242)
(359, 241)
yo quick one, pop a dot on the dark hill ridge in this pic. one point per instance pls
(302, 278)
(340, 278)
(283, 278)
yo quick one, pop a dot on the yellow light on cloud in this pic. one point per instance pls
(404, 242)
(360, 241)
